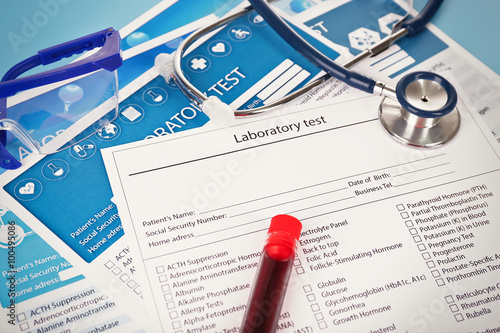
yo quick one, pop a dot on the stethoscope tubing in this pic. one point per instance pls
(342, 73)
(352, 78)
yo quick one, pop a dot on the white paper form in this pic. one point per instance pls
(394, 238)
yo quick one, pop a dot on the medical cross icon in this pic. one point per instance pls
(198, 64)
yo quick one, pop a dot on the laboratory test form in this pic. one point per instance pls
(394, 238)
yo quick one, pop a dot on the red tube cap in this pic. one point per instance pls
(286, 223)
(283, 234)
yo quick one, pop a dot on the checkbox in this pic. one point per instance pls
(165, 287)
(417, 239)
(440, 282)
(124, 277)
(138, 290)
(168, 297)
(459, 317)
(435, 273)
(404, 215)
(413, 231)
(131, 284)
(299, 270)
(173, 315)
(426, 255)
(322, 325)
(21, 317)
(162, 278)
(307, 288)
(454, 308)
(315, 307)
(319, 316)
(116, 270)
(409, 223)
(311, 298)
(400, 207)
(170, 305)
(24, 326)
(297, 262)
(421, 247)
(109, 264)
(176, 324)
(449, 299)
(430, 264)
(160, 269)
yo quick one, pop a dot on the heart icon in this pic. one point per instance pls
(219, 48)
(29, 188)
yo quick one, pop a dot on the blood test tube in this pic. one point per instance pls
(266, 298)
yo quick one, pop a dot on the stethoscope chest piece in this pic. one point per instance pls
(424, 114)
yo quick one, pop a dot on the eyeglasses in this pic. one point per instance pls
(47, 112)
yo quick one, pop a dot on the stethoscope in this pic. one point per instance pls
(421, 111)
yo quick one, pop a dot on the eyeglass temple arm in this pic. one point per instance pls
(108, 58)
(58, 52)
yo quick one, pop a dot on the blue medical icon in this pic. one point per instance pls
(219, 48)
(240, 33)
(199, 63)
(55, 169)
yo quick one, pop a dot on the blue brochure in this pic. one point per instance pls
(69, 191)
(247, 64)
(175, 16)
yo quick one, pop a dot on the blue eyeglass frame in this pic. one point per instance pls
(108, 58)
